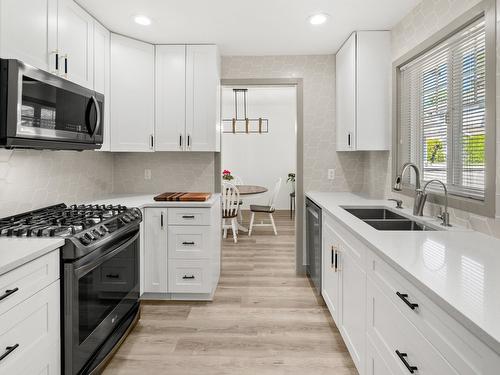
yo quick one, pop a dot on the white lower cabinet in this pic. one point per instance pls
(389, 326)
(181, 252)
(331, 276)
(344, 284)
(155, 256)
(30, 330)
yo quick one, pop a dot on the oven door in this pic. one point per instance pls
(98, 295)
(47, 111)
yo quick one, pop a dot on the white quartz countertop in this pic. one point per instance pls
(15, 252)
(459, 269)
(146, 200)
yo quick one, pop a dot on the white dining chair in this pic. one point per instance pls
(230, 209)
(237, 180)
(269, 209)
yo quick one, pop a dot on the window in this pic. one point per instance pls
(442, 112)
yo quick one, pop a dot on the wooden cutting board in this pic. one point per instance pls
(183, 197)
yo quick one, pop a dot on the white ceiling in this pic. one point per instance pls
(251, 27)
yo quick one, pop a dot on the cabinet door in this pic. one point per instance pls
(132, 85)
(75, 30)
(170, 121)
(28, 32)
(373, 77)
(345, 65)
(202, 98)
(331, 275)
(101, 75)
(155, 250)
(353, 305)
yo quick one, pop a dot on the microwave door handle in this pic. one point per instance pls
(98, 114)
(90, 266)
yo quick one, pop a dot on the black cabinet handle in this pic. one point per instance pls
(188, 216)
(188, 243)
(57, 61)
(185, 277)
(333, 258)
(66, 64)
(404, 297)
(402, 357)
(348, 139)
(189, 140)
(8, 292)
(180, 140)
(8, 350)
(161, 220)
(113, 276)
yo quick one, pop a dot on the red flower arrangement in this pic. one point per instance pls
(226, 175)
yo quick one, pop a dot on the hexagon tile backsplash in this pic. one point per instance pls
(31, 179)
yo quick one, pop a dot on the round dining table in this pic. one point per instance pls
(249, 191)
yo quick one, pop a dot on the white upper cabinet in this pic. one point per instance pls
(102, 75)
(170, 124)
(345, 65)
(203, 98)
(363, 67)
(75, 29)
(133, 96)
(187, 98)
(28, 32)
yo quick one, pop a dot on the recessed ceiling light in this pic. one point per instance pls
(318, 19)
(142, 20)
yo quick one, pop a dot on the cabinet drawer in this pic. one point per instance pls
(189, 216)
(461, 348)
(32, 327)
(189, 276)
(375, 363)
(28, 279)
(392, 333)
(189, 242)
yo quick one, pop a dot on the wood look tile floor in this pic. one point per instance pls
(264, 320)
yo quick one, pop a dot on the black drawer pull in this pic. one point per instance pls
(113, 276)
(188, 216)
(8, 350)
(402, 357)
(188, 243)
(8, 292)
(185, 277)
(404, 297)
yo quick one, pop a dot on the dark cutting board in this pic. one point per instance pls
(182, 197)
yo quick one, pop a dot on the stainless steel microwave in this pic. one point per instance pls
(43, 111)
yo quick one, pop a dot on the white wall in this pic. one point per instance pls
(261, 159)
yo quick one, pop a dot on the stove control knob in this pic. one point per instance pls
(97, 233)
(84, 241)
(125, 219)
(104, 229)
(89, 236)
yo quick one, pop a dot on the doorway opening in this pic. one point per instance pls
(261, 153)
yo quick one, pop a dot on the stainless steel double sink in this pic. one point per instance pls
(384, 219)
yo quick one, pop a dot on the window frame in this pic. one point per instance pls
(484, 207)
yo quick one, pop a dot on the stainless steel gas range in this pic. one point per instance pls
(100, 273)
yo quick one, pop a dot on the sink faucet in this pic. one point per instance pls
(445, 216)
(419, 196)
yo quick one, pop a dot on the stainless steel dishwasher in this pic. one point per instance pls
(313, 243)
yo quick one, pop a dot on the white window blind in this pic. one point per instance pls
(442, 112)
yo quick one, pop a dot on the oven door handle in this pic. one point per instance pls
(90, 266)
